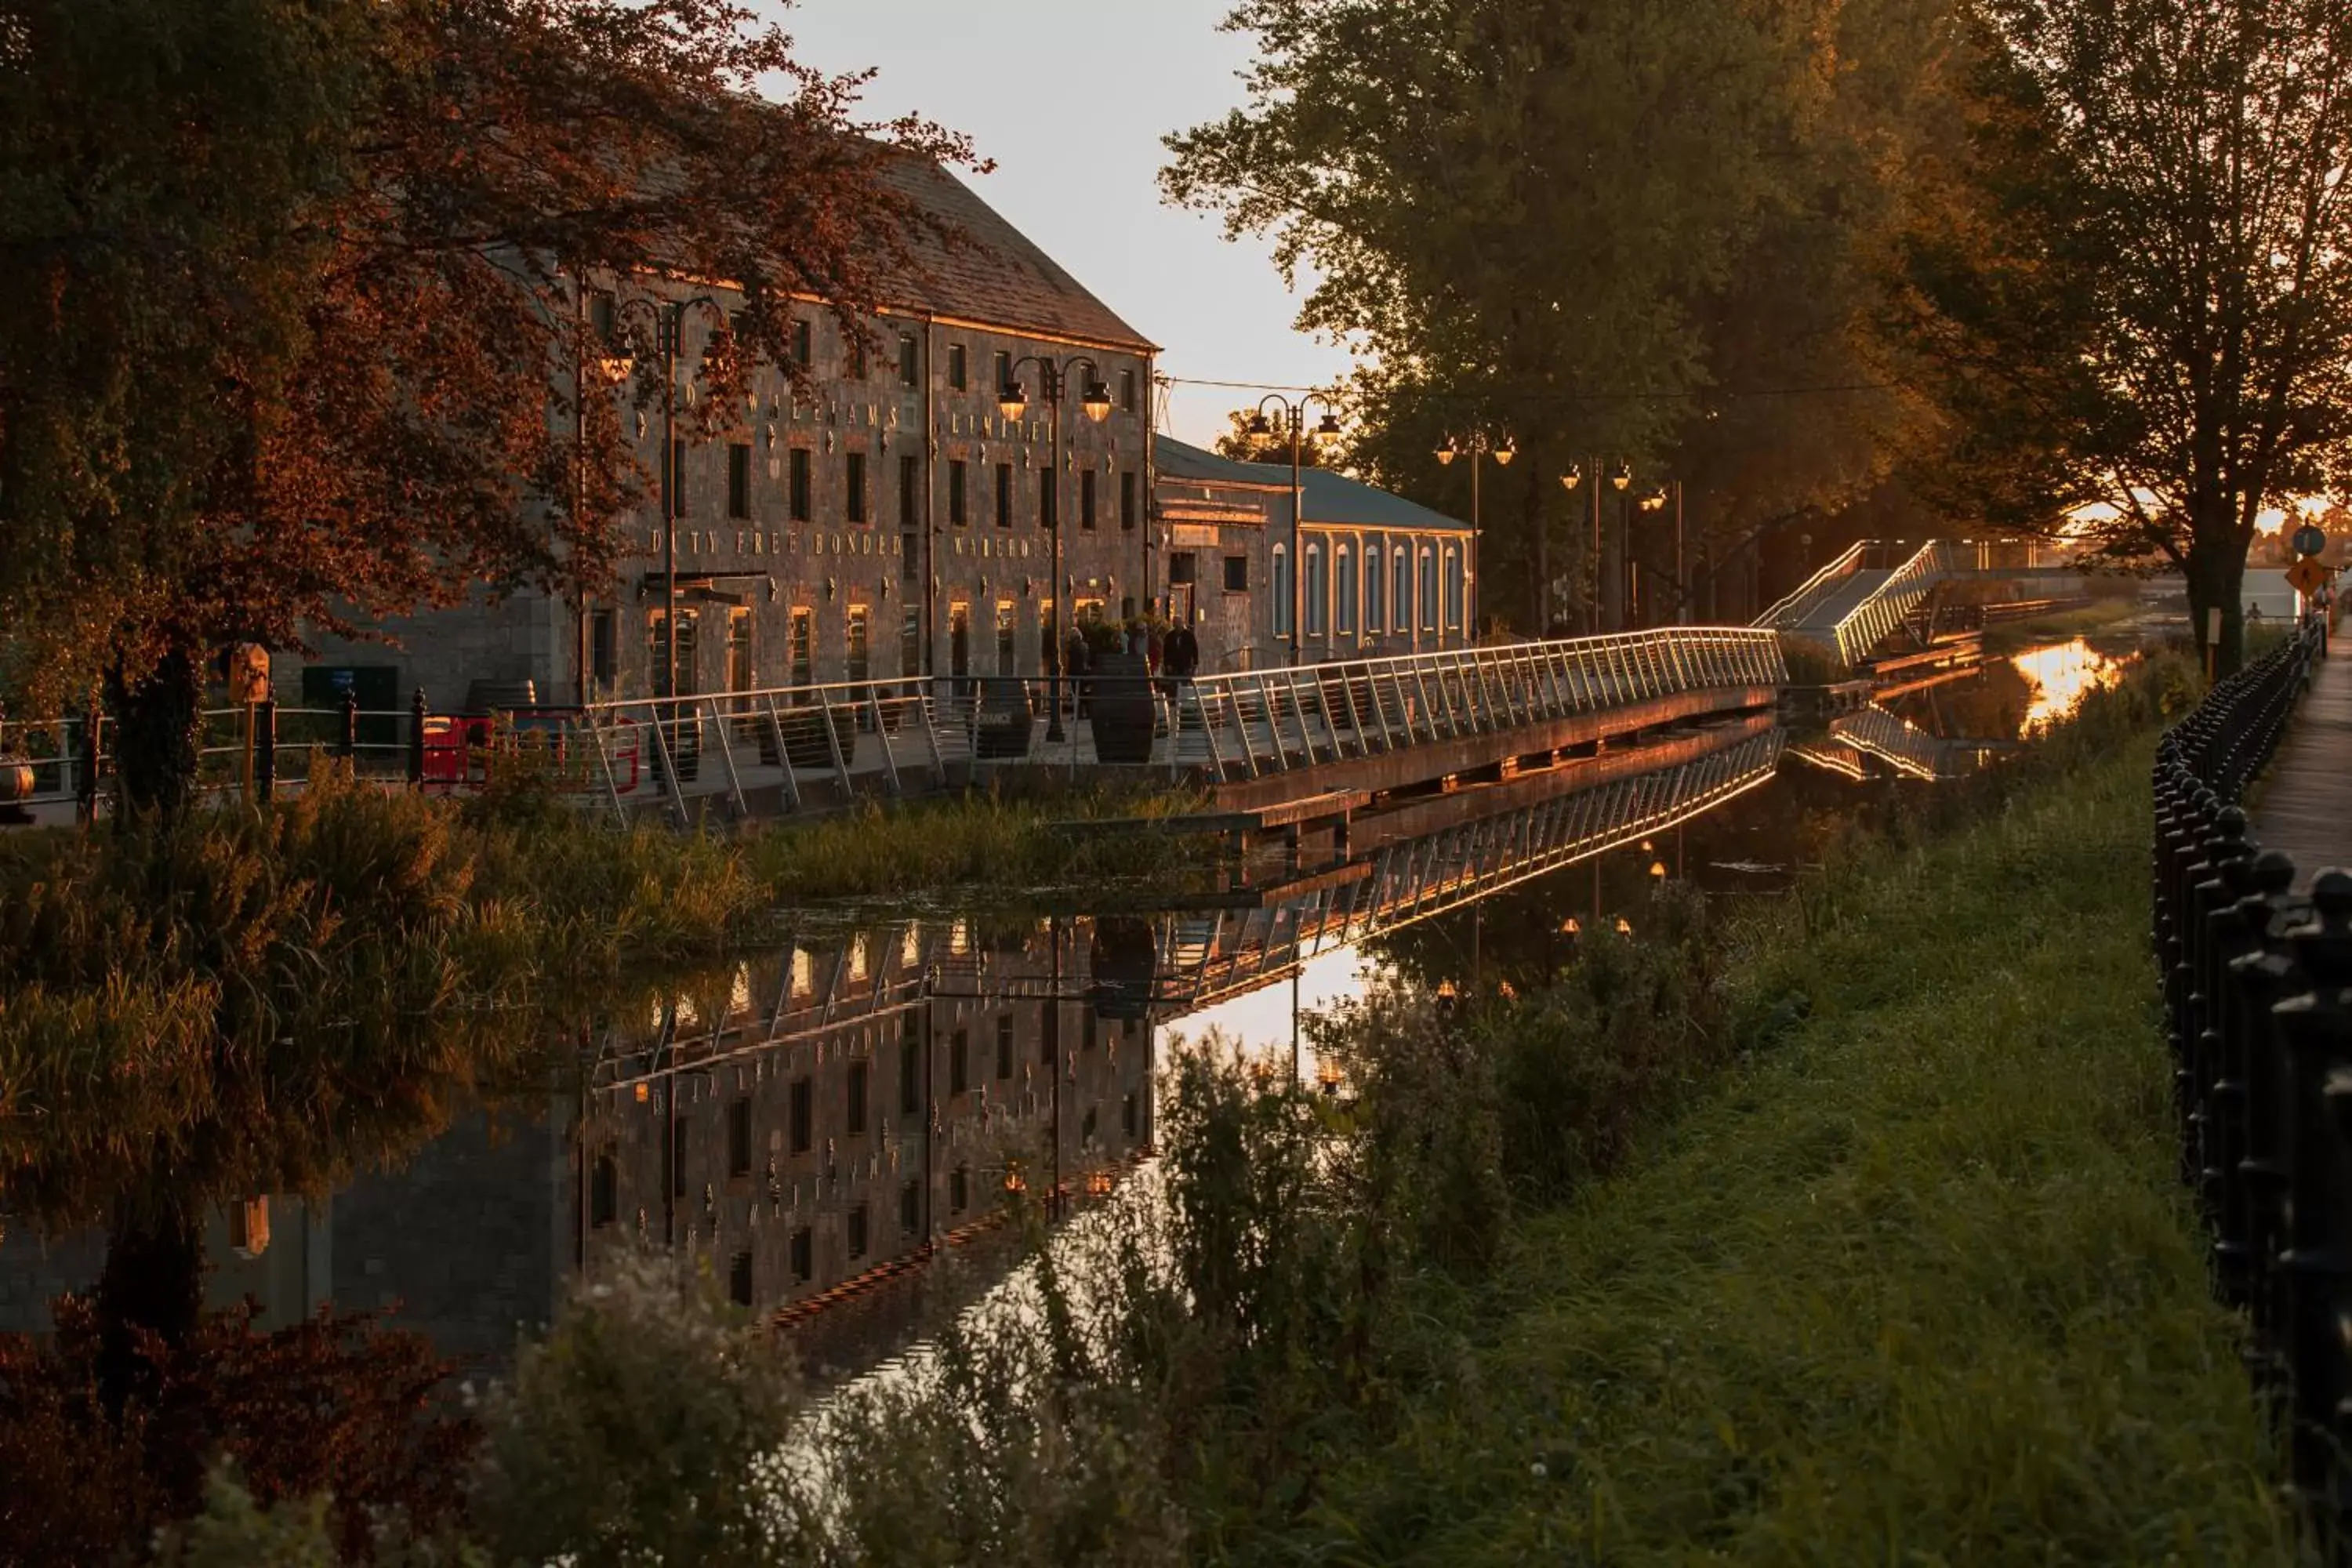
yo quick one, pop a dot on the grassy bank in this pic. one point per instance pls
(2060, 625)
(1918, 1283)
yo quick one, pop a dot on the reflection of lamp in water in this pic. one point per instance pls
(1624, 926)
(1012, 1180)
(1658, 870)
(1569, 927)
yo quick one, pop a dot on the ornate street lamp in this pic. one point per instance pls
(1294, 425)
(1475, 445)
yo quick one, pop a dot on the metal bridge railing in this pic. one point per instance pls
(1790, 612)
(1870, 622)
(1264, 722)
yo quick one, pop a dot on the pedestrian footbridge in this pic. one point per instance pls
(1857, 601)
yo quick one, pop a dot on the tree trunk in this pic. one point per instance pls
(154, 1279)
(155, 720)
(2216, 573)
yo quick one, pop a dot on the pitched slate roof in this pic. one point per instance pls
(996, 275)
(1332, 498)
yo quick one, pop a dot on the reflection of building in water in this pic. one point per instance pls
(831, 1118)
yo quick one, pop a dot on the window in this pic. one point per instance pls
(1183, 569)
(1087, 499)
(856, 644)
(855, 1230)
(960, 1062)
(739, 1136)
(801, 647)
(911, 560)
(853, 1116)
(1343, 579)
(603, 315)
(674, 482)
(799, 484)
(1130, 1115)
(1003, 366)
(853, 474)
(1375, 592)
(803, 1256)
(803, 345)
(959, 515)
(738, 478)
(1004, 632)
(1236, 573)
(910, 1071)
(1401, 573)
(910, 633)
(1005, 1046)
(804, 1116)
(957, 381)
(1127, 494)
(1127, 390)
(1315, 590)
(1428, 589)
(1049, 502)
(1281, 590)
(910, 491)
(603, 1190)
(603, 645)
(677, 1144)
(1004, 495)
(959, 1189)
(738, 1278)
(856, 350)
(911, 1208)
(910, 371)
(1453, 585)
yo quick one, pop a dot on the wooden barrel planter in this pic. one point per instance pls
(804, 743)
(15, 788)
(1121, 707)
(1003, 722)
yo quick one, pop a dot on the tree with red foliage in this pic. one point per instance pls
(296, 304)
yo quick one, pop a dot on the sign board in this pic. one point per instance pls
(245, 669)
(2309, 541)
(2306, 575)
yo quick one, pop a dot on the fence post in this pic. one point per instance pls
(417, 740)
(86, 778)
(265, 749)
(351, 743)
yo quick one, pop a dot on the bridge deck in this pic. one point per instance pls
(2305, 808)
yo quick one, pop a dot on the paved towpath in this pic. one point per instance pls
(2305, 806)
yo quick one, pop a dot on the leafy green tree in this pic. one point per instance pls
(2138, 293)
(1584, 225)
(299, 288)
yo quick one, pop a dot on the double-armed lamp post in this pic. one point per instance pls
(1053, 382)
(1477, 445)
(1294, 425)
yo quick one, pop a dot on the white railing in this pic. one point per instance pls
(1883, 609)
(1248, 725)
(1790, 613)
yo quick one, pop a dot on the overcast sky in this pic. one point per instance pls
(1071, 99)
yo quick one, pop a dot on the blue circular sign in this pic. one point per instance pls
(2309, 541)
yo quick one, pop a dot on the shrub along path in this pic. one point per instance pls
(1917, 1285)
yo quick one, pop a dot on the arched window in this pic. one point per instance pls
(1428, 589)
(1375, 592)
(1281, 590)
(1453, 589)
(1401, 603)
(1316, 588)
(1343, 577)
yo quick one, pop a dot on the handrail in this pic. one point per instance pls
(1843, 566)
(1879, 613)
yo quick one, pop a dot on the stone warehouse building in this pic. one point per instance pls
(891, 522)
(1363, 573)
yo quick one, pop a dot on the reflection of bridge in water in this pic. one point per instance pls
(1876, 734)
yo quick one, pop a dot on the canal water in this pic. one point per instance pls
(828, 1126)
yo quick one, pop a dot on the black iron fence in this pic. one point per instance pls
(2258, 1010)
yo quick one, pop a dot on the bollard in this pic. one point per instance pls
(416, 712)
(350, 739)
